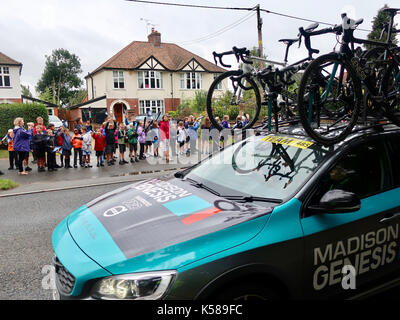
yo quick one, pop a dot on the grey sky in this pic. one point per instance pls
(97, 29)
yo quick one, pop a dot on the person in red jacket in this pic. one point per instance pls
(99, 146)
(164, 136)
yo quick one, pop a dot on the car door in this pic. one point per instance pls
(366, 240)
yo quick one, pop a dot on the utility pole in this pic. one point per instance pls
(259, 28)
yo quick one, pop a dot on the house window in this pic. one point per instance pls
(155, 106)
(219, 85)
(5, 77)
(118, 78)
(191, 80)
(150, 80)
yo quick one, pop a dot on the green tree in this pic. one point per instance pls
(77, 97)
(25, 91)
(60, 76)
(377, 23)
(47, 95)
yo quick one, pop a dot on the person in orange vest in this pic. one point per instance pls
(12, 155)
(76, 141)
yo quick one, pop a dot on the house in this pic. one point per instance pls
(145, 76)
(10, 85)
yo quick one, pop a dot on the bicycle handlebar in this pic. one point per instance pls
(240, 54)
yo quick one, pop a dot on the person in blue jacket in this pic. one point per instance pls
(192, 133)
(21, 143)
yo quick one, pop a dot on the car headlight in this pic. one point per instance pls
(138, 286)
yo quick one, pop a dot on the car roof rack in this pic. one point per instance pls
(286, 125)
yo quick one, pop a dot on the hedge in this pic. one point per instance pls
(28, 111)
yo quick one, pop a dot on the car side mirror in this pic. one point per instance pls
(337, 201)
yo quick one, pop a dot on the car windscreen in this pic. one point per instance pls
(261, 168)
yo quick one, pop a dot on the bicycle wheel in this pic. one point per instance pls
(329, 99)
(232, 94)
(376, 65)
(391, 91)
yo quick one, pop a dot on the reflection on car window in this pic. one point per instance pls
(265, 169)
(362, 171)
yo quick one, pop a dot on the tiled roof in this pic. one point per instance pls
(171, 56)
(8, 61)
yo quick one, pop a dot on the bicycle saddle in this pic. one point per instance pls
(391, 10)
(311, 27)
(289, 41)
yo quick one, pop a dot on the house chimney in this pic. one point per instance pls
(155, 38)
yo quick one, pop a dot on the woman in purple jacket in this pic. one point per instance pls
(21, 143)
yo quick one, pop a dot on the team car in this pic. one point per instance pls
(272, 216)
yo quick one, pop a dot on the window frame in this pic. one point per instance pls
(335, 159)
(195, 80)
(5, 75)
(117, 79)
(158, 108)
(152, 75)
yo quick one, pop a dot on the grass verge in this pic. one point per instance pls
(6, 184)
(3, 154)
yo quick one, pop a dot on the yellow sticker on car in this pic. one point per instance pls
(298, 143)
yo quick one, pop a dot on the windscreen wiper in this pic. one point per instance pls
(203, 186)
(252, 199)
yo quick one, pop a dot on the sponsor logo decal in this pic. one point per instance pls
(161, 191)
(301, 144)
(366, 252)
(192, 204)
(128, 205)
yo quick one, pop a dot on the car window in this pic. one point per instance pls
(394, 153)
(265, 169)
(363, 170)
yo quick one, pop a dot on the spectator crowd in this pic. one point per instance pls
(128, 142)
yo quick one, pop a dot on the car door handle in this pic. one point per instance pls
(391, 217)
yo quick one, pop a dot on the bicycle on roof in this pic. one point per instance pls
(239, 90)
(337, 85)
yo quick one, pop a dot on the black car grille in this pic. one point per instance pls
(65, 279)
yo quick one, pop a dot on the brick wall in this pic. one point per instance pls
(171, 104)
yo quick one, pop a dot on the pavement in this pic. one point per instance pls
(74, 178)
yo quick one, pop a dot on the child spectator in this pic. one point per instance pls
(149, 139)
(156, 138)
(122, 140)
(181, 137)
(76, 141)
(109, 130)
(12, 155)
(164, 136)
(205, 135)
(51, 145)
(86, 147)
(133, 141)
(141, 139)
(99, 146)
(39, 146)
(89, 127)
(225, 122)
(31, 126)
(39, 122)
(66, 148)
(192, 132)
(59, 139)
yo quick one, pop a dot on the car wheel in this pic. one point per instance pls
(247, 292)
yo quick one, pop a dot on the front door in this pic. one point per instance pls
(118, 113)
(363, 240)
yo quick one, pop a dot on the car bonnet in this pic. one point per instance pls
(155, 214)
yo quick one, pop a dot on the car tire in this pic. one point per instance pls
(247, 292)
